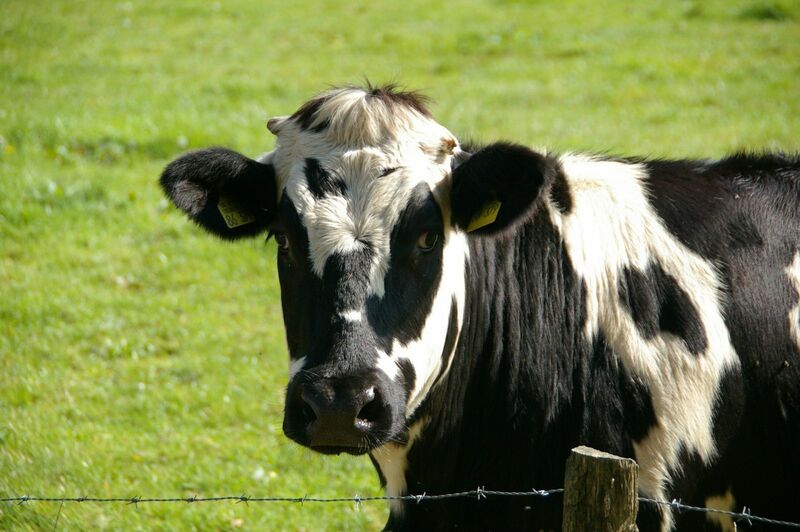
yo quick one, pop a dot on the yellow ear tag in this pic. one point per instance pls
(233, 215)
(485, 216)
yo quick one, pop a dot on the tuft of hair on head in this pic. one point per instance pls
(362, 115)
(394, 94)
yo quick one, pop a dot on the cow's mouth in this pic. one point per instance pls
(339, 449)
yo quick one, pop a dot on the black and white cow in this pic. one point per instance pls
(468, 315)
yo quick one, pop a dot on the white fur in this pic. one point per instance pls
(391, 458)
(295, 365)
(353, 316)
(793, 273)
(387, 364)
(722, 502)
(611, 226)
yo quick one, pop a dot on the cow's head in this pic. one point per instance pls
(369, 201)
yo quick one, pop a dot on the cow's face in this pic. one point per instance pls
(371, 253)
(363, 244)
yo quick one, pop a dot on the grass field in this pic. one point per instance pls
(141, 357)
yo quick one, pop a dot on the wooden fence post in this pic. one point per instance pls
(600, 492)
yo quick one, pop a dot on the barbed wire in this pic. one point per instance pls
(479, 493)
(742, 517)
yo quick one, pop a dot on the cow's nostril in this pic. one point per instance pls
(308, 413)
(372, 410)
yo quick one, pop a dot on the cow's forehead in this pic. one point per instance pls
(367, 129)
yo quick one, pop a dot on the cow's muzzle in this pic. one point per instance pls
(336, 415)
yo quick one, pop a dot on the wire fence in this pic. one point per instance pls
(479, 493)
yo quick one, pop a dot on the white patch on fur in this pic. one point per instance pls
(722, 502)
(387, 364)
(391, 458)
(793, 272)
(425, 353)
(352, 316)
(266, 158)
(295, 365)
(613, 226)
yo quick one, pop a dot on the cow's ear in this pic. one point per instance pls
(226, 193)
(496, 186)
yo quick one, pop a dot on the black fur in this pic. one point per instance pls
(657, 303)
(511, 174)
(307, 113)
(320, 181)
(196, 181)
(560, 194)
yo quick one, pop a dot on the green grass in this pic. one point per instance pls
(141, 357)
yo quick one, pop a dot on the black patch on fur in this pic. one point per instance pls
(408, 373)
(637, 404)
(306, 115)
(657, 303)
(704, 203)
(304, 311)
(196, 180)
(320, 182)
(560, 194)
(413, 276)
(346, 278)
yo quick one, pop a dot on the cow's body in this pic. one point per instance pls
(538, 371)
(646, 308)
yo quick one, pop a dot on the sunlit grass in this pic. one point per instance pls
(141, 357)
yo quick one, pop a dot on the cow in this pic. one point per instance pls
(465, 315)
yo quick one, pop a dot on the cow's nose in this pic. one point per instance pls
(339, 415)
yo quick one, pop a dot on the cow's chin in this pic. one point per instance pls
(333, 449)
(339, 444)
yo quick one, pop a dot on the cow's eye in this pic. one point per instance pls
(427, 241)
(282, 240)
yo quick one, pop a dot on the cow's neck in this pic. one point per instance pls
(513, 373)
